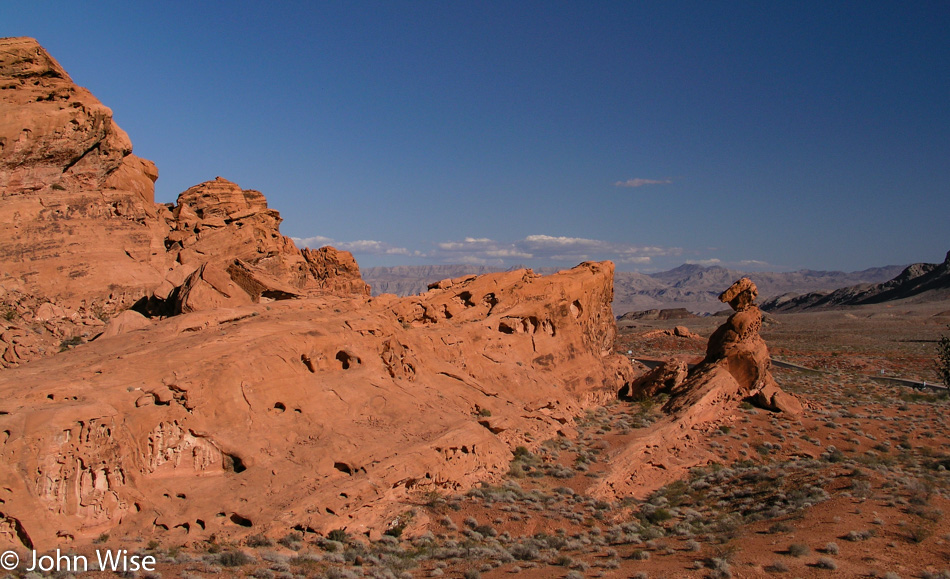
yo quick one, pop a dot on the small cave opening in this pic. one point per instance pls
(241, 521)
(232, 463)
(347, 360)
(343, 467)
(576, 309)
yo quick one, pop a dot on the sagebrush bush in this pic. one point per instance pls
(943, 359)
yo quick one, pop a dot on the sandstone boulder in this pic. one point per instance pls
(127, 321)
(667, 377)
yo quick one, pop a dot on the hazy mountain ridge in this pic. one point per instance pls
(690, 286)
(921, 281)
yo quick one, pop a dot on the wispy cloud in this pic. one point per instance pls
(559, 249)
(754, 263)
(547, 247)
(364, 246)
(642, 182)
(704, 262)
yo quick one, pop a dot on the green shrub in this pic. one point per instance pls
(943, 359)
(338, 535)
(233, 559)
(798, 549)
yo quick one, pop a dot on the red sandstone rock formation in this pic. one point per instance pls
(82, 231)
(736, 368)
(317, 413)
(76, 207)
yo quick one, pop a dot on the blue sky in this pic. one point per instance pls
(759, 135)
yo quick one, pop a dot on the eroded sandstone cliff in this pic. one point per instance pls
(84, 240)
(317, 413)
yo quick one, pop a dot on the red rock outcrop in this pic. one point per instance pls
(76, 207)
(736, 368)
(226, 250)
(83, 233)
(317, 413)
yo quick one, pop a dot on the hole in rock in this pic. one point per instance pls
(185, 526)
(343, 467)
(329, 510)
(50, 397)
(180, 495)
(232, 463)
(466, 299)
(308, 362)
(505, 328)
(200, 523)
(347, 360)
(576, 309)
(279, 407)
(239, 520)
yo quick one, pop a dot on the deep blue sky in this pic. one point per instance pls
(769, 135)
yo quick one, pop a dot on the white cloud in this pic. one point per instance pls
(485, 251)
(640, 259)
(704, 262)
(313, 242)
(509, 252)
(753, 263)
(547, 240)
(642, 182)
(364, 246)
(556, 248)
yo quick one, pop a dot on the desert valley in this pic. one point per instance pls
(181, 383)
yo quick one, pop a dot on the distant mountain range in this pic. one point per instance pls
(689, 286)
(920, 281)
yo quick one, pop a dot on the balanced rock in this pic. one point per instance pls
(736, 368)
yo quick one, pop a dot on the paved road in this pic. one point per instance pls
(780, 364)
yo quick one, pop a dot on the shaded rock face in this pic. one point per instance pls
(317, 413)
(736, 368)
